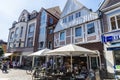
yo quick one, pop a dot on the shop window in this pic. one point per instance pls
(90, 28)
(78, 32)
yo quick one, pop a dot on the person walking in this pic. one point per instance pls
(4, 67)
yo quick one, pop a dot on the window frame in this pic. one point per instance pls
(51, 20)
(60, 36)
(87, 28)
(116, 22)
(75, 32)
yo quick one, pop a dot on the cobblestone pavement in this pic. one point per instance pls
(15, 74)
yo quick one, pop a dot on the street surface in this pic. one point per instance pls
(15, 74)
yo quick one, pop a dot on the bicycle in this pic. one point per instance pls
(30, 70)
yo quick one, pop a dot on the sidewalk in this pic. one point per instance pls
(15, 74)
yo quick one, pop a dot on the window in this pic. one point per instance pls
(19, 43)
(70, 18)
(115, 22)
(12, 35)
(41, 44)
(78, 31)
(16, 32)
(78, 14)
(51, 20)
(65, 20)
(90, 28)
(118, 21)
(30, 42)
(50, 45)
(50, 31)
(43, 17)
(31, 30)
(62, 36)
(21, 31)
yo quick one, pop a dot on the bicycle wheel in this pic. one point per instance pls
(29, 71)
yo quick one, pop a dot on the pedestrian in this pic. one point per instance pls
(92, 75)
(4, 67)
(14, 64)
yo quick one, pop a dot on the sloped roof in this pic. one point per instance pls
(71, 6)
(108, 3)
(55, 11)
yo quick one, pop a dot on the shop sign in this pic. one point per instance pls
(110, 38)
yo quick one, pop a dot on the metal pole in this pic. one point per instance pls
(71, 61)
(33, 61)
(90, 61)
(87, 62)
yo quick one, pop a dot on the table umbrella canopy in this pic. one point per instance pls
(71, 49)
(5, 55)
(40, 52)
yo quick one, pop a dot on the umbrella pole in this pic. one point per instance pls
(71, 62)
(33, 61)
(87, 62)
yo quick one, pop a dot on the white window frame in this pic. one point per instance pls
(87, 28)
(115, 22)
(65, 36)
(81, 32)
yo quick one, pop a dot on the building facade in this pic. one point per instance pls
(29, 34)
(21, 35)
(79, 25)
(47, 20)
(110, 10)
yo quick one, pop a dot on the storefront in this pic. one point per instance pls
(112, 52)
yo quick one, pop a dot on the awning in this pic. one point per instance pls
(115, 46)
(7, 54)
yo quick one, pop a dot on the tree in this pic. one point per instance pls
(1, 51)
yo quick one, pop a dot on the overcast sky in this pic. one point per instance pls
(10, 10)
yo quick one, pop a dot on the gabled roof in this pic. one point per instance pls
(105, 2)
(108, 3)
(55, 11)
(71, 6)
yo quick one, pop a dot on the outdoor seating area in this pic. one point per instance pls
(45, 74)
(69, 62)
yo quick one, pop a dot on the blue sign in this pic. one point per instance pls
(109, 38)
